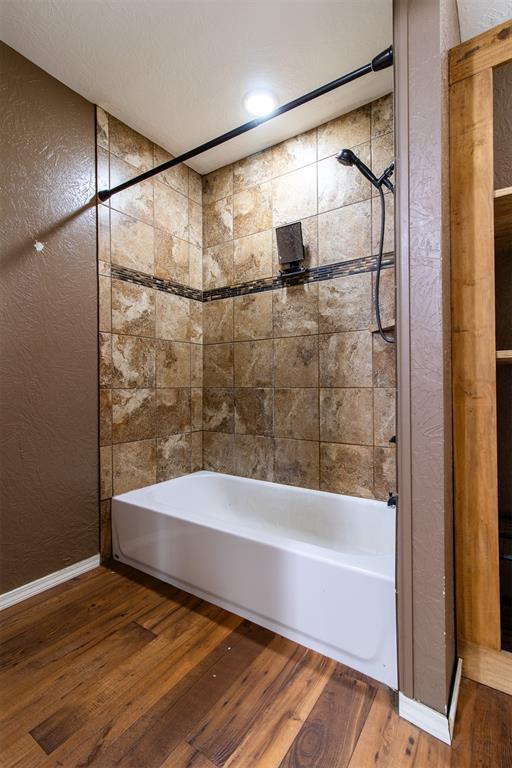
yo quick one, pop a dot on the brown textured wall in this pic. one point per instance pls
(48, 418)
(502, 87)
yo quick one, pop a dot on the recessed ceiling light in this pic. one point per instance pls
(260, 103)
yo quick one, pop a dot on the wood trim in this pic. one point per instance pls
(504, 356)
(474, 360)
(489, 667)
(490, 49)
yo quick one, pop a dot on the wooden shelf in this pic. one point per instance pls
(503, 218)
(504, 356)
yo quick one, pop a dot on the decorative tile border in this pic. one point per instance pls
(313, 275)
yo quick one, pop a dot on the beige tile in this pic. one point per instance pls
(218, 365)
(254, 457)
(218, 410)
(382, 115)
(252, 210)
(294, 153)
(218, 222)
(177, 176)
(134, 465)
(345, 303)
(133, 361)
(172, 317)
(385, 472)
(253, 316)
(195, 267)
(133, 414)
(196, 408)
(104, 268)
(254, 411)
(103, 233)
(295, 310)
(296, 413)
(195, 186)
(171, 257)
(342, 185)
(294, 196)
(382, 153)
(101, 128)
(172, 411)
(131, 243)
(309, 240)
(196, 439)
(129, 145)
(384, 415)
(346, 416)
(195, 224)
(173, 457)
(386, 296)
(104, 303)
(296, 362)
(105, 416)
(253, 363)
(173, 363)
(218, 184)
(171, 211)
(253, 170)
(133, 309)
(105, 359)
(384, 362)
(102, 170)
(346, 359)
(219, 452)
(346, 469)
(137, 201)
(196, 365)
(345, 233)
(253, 257)
(389, 228)
(105, 530)
(196, 321)
(218, 321)
(296, 462)
(344, 132)
(106, 472)
(218, 266)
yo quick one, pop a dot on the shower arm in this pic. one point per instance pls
(383, 60)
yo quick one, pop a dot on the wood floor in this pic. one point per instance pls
(117, 669)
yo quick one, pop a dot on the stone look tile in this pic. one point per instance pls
(218, 365)
(134, 465)
(296, 462)
(176, 177)
(310, 242)
(253, 316)
(345, 303)
(296, 413)
(171, 211)
(104, 268)
(133, 414)
(294, 153)
(101, 128)
(218, 410)
(195, 257)
(344, 132)
(133, 361)
(196, 321)
(384, 415)
(218, 321)
(105, 361)
(253, 363)
(218, 222)
(384, 362)
(196, 408)
(389, 228)
(130, 146)
(253, 257)
(346, 359)
(294, 196)
(195, 224)
(196, 439)
(347, 469)
(105, 416)
(172, 411)
(252, 170)
(171, 257)
(296, 362)
(252, 210)
(195, 184)
(218, 266)
(105, 303)
(106, 472)
(196, 365)
(386, 296)
(218, 184)
(342, 185)
(173, 457)
(382, 115)
(172, 317)
(133, 309)
(137, 201)
(345, 233)
(131, 243)
(103, 233)
(173, 363)
(346, 416)
(382, 152)
(102, 170)
(219, 452)
(254, 457)
(254, 411)
(295, 310)
(385, 472)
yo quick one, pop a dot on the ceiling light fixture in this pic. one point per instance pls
(260, 103)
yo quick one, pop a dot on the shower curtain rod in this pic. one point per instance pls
(381, 61)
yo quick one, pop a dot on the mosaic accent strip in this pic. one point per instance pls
(313, 275)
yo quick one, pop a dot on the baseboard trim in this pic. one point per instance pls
(47, 582)
(430, 720)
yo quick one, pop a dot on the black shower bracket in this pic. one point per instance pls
(383, 60)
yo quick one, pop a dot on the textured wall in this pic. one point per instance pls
(48, 416)
(502, 87)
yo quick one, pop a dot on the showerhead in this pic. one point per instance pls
(347, 158)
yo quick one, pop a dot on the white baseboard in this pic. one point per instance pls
(47, 582)
(430, 720)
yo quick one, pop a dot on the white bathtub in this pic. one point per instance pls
(318, 568)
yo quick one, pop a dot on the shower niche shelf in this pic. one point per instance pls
(504, 356)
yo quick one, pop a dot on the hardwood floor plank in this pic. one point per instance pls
(378, 734)
(185, 756)
(19, 753)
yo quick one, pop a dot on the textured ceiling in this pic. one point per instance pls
(476, 16)
(177, 71)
